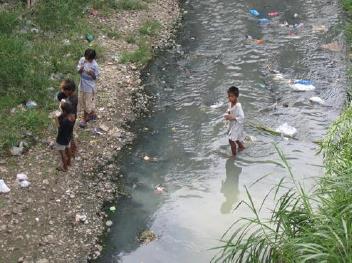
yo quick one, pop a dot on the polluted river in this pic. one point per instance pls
(182, 184)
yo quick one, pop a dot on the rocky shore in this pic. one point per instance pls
(59, 217)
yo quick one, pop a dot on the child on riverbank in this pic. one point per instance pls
(235, 116)
(65, 121)
(89, 70)
(68, 93)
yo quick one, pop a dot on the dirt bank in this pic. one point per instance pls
(58, 218)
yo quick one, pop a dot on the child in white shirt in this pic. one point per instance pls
(235, 116)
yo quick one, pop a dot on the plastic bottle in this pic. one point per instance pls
(303, 82)
(254, 12)
(263, 21)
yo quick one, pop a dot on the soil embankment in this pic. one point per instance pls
(58, 218)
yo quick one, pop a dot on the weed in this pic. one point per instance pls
(140, 56)
(131, 39)
(150, 28)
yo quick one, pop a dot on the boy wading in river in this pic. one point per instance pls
(235, 116)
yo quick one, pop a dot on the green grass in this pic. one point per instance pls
(131, 4)
(140, 56)
(150, 28)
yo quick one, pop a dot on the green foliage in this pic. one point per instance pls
(140, 56)
(131, 4)
(150, 28)
(131, 39)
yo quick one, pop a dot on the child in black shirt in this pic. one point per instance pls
(66, 122)
(68, 93)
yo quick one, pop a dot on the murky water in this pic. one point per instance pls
(185, 137)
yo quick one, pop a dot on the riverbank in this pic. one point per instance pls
(58, 218)
(306, 226)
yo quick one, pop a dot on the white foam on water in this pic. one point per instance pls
(302, 87)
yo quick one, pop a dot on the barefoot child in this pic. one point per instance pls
(68, 93)
(66, 121)
(235, 116)
(89, 70)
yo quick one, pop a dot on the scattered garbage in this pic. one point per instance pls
(66, 42)
(112, 208)
(97, 131)
(317, 100)
(159, 189)
(263, 21)
(333, 46)
(319, 29)
(256, 41)
(302, 87)
(18, 150)
(273, 14)
(89, 37)
(146, 237)
(295, 15)
(22, 180)
(81, 218)
(303, 82)
(108, 223)
(35, 30)
(254, 12)
(3, 187)
(286, 130)
(146, 158)
(104, 128)
(30, 104)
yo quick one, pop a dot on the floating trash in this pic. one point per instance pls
(159, 189)
(317, 100)
(254, 12)
(286, 130)
(302, 87)
(263, 21)
(303, 82)
(112, 208)
(146, 158)
(273, 14)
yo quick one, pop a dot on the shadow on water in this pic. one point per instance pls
(229, 187)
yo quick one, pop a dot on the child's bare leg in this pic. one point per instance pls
(63, 165)
(73, 148)
(68, 156)
(240, 145)
(233, 147)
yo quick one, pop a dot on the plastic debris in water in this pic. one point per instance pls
(302, 87)
(263, 21)
(3, 187)
(317, 100)
(303, 82)
(273, 14)
(159, 189)
(254, 12)
(146, 158)
(112, 208)
(286, 130)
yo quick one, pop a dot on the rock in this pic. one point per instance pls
(20, 260)
(46, 181)
(43, 260)
(146, 237)
(104, 128)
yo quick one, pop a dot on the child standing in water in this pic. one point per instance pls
(235, 116)
(89, 70)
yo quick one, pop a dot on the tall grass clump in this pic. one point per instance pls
(302, 227)
(131, 4)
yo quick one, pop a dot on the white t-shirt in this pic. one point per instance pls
(87, 83)
(236, 130)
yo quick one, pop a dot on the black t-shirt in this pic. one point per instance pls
(65, 130)
(72, 99)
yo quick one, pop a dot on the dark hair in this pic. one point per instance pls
(68, 84)
(67, 107)
(234, 90)
(90, 54)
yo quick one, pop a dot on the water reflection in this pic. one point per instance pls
(229, 187)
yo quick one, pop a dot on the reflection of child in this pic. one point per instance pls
(235, 116)
(89, 70)
(66, 122)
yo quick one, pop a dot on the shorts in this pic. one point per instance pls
(60, 147)
(87, 101)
